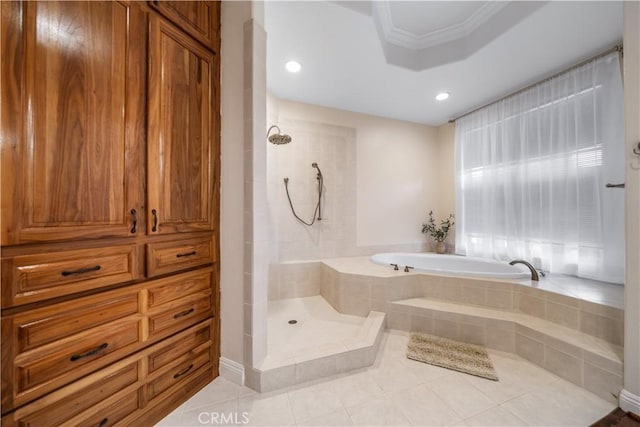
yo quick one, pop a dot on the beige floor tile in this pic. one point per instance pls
(334, 419)
(312, 402)
(423, 408)
(494, 417)
(272, 410)
(378, 412)
(356, 389)
(394, 376)
(461, 395)
(218, 414)
(559, 404)
(219, 390)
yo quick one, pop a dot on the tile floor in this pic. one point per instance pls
(396, 391)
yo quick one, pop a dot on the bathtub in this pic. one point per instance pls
(453, 265)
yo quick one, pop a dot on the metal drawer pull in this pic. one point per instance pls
(103, 422)
(90, 352)
(134, 220)
(179, 374)
(183, 313)
(186, 254)
(154, 228)
(81, 271)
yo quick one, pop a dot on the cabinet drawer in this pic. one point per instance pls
(115, 412)
(167, 257)
(173, 288)
(42, 276)
(179, 373)
(180, 314)
(63, 361)
(182, 349)
(38, 327)
(119, 386)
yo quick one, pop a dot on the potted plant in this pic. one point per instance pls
(439, 233)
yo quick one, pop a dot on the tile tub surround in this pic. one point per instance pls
(356, 285)
(397, 391)
(323, 342)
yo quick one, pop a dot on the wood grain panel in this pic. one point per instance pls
(167, 257)
(198, 18)
(38, 277)
(180, 314)
(39, 327)
(70, 88)
(176, 287)
(86, 397)
(84, 352)
(181, 373)
(172, 352)
(180, 125)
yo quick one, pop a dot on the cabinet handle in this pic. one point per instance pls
(154, 212)
(103, 422)
(179, 374)
(80, 271)
(186, 254)
(134, 220)
(156, 2)
(90, 352)
(183, 313)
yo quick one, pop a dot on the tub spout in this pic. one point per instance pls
(534, 273)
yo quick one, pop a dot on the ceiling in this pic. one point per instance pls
(391, 58)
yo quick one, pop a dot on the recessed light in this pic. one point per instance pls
(442, 96)
(293, 66)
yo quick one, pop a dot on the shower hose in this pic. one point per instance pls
(317, 212)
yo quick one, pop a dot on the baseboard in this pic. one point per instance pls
(232, 371)
(629, 402)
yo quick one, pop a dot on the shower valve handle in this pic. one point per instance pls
(406, 268)
(395, 266)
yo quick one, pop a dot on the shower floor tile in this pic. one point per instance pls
(318, 329)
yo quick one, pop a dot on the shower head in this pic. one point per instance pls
(278, 138)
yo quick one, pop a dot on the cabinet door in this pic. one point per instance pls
(198, 18)
(71, 121)
(180, 132)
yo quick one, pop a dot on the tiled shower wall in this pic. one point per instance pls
(333, 149)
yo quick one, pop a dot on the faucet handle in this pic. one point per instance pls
(395, 266)
(406, 268)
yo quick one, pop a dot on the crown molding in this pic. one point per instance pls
(407, 39)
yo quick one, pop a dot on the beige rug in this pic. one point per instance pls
(459, 356)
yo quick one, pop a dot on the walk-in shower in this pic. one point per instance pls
(317, 213)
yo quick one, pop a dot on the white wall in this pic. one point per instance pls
(396, 172)
(630, 395)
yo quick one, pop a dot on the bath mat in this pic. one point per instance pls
(468, 358)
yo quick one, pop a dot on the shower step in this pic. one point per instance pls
(358, 352)
(585, 360)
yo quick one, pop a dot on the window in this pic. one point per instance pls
(531, 171)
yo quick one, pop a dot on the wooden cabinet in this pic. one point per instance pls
(180, 131)
(198, 18)
(109, 145)
(71, 120)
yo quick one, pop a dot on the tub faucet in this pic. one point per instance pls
(406, 268)
(395, 266)
(534, 273)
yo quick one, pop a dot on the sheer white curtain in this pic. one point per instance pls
(531, 172)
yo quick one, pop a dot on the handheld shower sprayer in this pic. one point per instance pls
(317, 214)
